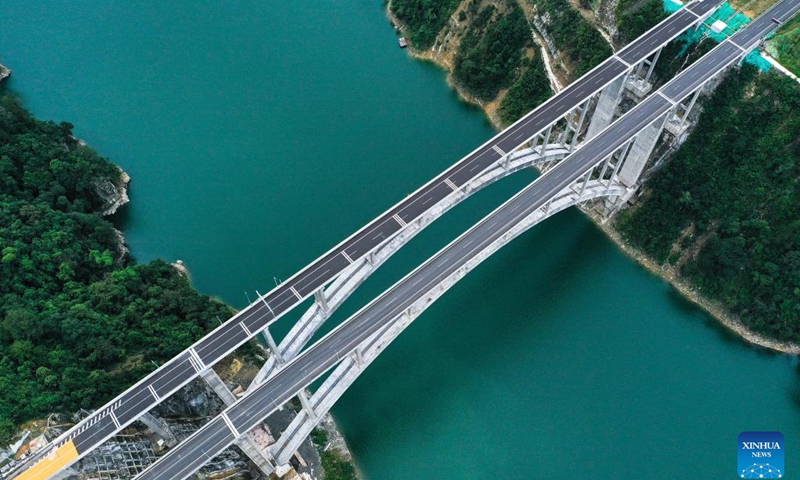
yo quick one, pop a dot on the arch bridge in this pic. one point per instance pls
(586, 147)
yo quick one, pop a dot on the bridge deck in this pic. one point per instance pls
(161, 383)
(315, 361)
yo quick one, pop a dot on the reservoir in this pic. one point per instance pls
(261, 133)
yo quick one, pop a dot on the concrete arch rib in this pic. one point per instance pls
(351, 367)
(350, 279)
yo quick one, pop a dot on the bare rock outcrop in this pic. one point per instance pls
(113, 195)
(5, 72)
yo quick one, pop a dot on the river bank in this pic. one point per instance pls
(666, 272)
(443, 58)
(687, 290)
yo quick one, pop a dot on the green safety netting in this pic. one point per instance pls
(733, 20)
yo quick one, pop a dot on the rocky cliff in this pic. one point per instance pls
(5, 72)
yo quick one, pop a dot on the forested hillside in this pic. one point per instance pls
(424, 18)
(79, 320)
(573, 35)
(491, 51)
(634, 17)
(488, 45)
(726, 209)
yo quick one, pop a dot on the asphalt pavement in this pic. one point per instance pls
(176, 373)
(342, 341)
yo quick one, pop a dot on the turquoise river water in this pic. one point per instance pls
(260, 133)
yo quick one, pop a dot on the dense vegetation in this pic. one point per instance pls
(336, 468)
(530, 90)
(635, 17)
(574, 35)
(676, 56)
(491, 51)
(735, 184)
(785, 46)
(79, 321)
(423, 18)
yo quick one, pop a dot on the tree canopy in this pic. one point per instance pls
(79, 320)
(735, 184)
(491, 51)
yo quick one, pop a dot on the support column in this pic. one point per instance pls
(306, 403)
(546, 139)
(302, 331)
(606, 107)
(333, 387)
(575, 121)
(678, 124)
(641, 86)
(582, 109)
(652, 66)
(640, 151)
(160, 428)
(319, 297)
(245, 442)
(273, 347)
(586, 182)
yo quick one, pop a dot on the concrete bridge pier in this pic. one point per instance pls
(575, 120)
(160, 428)
(679, 121)
(639, 83)
(643, 145)
(246, 443)
(606, 108)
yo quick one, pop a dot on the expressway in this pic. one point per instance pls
(342, 341)
(176, 373)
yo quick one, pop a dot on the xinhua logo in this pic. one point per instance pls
(761, 455)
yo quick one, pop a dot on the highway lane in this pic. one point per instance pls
(234, 332)
(312, 363)
(326, 353)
